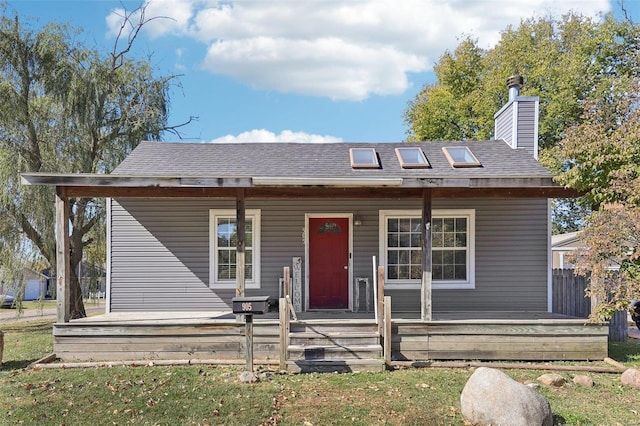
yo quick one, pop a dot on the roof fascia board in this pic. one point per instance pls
(80, 180)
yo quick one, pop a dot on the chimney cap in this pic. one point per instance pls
(515, 81)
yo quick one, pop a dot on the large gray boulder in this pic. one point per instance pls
(490, 397)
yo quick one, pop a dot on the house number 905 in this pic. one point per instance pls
(246, 306)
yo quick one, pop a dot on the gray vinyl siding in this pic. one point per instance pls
(160, 252)
(525, 137)
(504, 124)
(527, 125)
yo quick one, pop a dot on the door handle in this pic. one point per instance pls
(346, 267)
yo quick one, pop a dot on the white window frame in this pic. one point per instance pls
(374, 164)
(214, 215)
(469, 214)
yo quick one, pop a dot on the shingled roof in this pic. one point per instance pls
(162, 169)
(250, 160)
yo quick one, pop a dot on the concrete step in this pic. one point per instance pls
(336, 366)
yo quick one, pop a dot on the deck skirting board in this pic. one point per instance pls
(525, 341)
(532, 340)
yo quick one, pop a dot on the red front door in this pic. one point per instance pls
(328, 263)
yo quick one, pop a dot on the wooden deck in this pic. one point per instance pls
(219, 336)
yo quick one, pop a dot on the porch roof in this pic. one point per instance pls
(161, 169)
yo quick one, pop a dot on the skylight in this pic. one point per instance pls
(363, 158)
(460, 156)
(412, 158)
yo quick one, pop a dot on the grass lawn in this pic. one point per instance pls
(210, 395)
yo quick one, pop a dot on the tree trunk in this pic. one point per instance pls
(77, 303)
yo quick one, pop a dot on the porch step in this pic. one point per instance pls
(331, 346)
(338, 338)
(323, 328)
(340, 366)
(334, 352)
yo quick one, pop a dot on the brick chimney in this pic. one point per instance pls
(517, 121)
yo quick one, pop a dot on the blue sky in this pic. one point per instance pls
(300, 70)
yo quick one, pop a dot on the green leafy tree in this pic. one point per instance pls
(66, 107)
(604, 162)
(566, 62)
(611, 258)
(453, 108)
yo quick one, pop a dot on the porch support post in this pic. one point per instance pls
(425, 290)
(240, 227)
(63, 261)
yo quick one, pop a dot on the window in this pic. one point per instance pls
(411, 158)
(460, 156)
(223, 240)
(452, 245)
(363, 158)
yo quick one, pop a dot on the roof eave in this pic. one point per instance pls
(544, 184)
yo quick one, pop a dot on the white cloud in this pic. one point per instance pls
(342, 49)
(263, 135)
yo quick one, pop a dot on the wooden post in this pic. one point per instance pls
(286, 290)
(284, 332)
(380, 301)
(63, 261)
(240, 228)
(387, 330)
(425, 289)
(248, 331)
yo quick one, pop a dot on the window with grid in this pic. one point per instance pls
(449, 248)
(404, 252)
(224, 239)
(452, 233)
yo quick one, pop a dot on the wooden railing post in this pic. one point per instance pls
(286, 291)
(284, 332)
(425, 288)
(387, 331)
(380, 301)
(240, 245)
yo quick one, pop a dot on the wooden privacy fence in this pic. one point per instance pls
(569, 299)
(568, 294)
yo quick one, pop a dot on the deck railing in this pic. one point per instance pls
(286, 310)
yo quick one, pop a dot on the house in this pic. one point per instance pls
(460, 232)
(34, 286)
(563, 245)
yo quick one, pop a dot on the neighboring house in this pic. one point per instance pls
(175, 212)
(35, 286)
(563, 245)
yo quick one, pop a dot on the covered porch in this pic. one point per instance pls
(347, 191)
